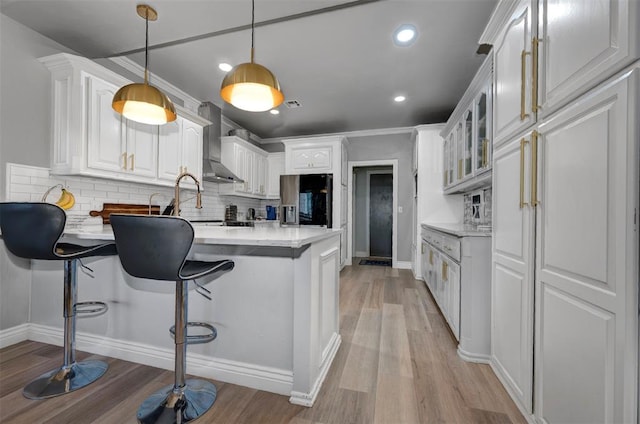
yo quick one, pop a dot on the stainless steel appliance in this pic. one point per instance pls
(306, 199)
(212, 168)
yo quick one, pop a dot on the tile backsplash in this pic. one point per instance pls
(29, 183)
(478, 212)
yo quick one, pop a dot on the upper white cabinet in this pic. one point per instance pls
(180, 150)
(549, 52)
(90, 138)
(467, 137)
(275, 168)
(513, 72)
(248, 162)
(309, 160)
(581, 43)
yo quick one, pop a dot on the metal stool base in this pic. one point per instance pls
(65, 379)
(167, 406)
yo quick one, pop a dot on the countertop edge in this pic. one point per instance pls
(450, 228)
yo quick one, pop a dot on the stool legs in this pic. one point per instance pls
(185, 400)
(71, 375)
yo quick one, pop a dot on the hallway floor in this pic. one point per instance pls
(397, 364)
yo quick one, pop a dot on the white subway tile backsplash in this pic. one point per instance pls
(91, 193)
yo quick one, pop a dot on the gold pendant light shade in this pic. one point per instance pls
(251, 87)
(142, 102)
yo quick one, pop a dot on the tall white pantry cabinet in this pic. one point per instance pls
(565, 206)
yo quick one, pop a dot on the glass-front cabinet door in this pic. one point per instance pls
(483, 116)
(468, 144)
(459, 152)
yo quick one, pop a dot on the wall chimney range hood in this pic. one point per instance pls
(212, 168)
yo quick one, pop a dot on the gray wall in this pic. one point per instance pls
(385, 147)
(25, 108)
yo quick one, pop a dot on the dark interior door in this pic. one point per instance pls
(380, 214)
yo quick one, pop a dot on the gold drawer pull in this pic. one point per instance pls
(534, 169)
(523, 142)
(523, 78)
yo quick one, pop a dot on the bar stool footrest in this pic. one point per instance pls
(91, 307)
(197, 338)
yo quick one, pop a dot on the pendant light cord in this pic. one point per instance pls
(146, 48)
(253, 18)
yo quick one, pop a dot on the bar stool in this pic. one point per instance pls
(156, 247)
(32, 231)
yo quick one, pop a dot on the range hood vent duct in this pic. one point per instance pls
(212, 168)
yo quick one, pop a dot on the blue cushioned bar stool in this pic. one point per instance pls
(33, 231)
(156, 247)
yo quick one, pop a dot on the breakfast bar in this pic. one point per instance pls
(276, 312)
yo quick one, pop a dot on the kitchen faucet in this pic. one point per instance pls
(176, 209)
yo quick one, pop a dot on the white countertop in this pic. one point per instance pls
(460, 230)
(293, 237)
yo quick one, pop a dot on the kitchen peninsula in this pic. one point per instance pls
(276, 313)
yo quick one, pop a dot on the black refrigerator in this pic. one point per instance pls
(306, 199)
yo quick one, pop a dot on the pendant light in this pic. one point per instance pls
(250, 86)
(143, 102)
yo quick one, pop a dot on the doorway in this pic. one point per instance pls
(372, 198)
(380, 211)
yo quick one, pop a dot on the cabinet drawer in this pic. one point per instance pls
(451, 246)
(432, 237)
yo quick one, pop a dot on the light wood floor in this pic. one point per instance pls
(397, 364)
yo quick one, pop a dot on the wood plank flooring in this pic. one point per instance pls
(397, 364)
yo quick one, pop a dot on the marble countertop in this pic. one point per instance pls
(293, 237)
(460, 230)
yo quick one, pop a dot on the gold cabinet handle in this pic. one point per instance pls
(523, 79)
(422, 248)
(523, 142)
(131, 159)
(534, 75)
(430, 257)
(445, 271)
(445, 178)
(459, 169)
(124, 161)
(534, 169)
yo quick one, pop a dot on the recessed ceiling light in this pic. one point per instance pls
(225, 67)
(274, 112)
(399, 99)
(405, 35)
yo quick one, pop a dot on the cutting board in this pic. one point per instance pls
(109, 208)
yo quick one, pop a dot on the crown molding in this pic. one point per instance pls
(498, 21)
(349, 134)
(189, 102)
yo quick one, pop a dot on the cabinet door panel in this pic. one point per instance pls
(582, 42)
(512, 270)
(587, 330)
(105, 129)
(170, 150)
(311, 159)
(192, 148)
(142, 149)
(510, 98)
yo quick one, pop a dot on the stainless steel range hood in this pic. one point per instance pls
(212, 169)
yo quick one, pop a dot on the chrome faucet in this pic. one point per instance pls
(176, 209)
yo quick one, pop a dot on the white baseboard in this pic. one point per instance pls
(308, 399)
(13, 335)
(361, 255)
(403, 264)
(504, 380)
(269, 379)
(473, 357)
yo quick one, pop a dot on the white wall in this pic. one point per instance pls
(385, 147)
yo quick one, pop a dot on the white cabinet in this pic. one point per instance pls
(320, 155)
(275, 168)
(565, 198)
(467, 137)
(456, 269)
(581, 44)
(249, 163)
(513, 71)
(180, 150)
(310, 159)
(565, 194)
(90, 138)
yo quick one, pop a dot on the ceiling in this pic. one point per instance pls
(335, 57)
